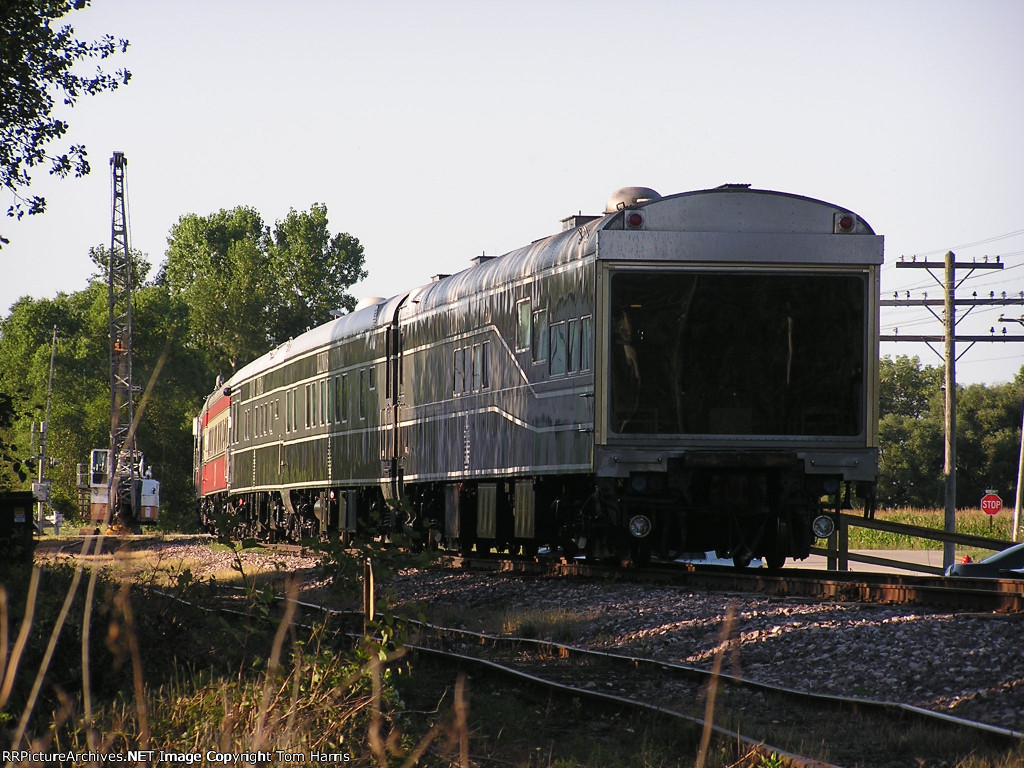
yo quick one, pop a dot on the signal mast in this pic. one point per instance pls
(121, 493)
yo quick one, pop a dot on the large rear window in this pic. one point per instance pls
(716, 353)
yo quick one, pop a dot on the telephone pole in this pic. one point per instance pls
(949, 302)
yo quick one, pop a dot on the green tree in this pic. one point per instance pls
(905, 387)
(988, 440)
(312, 268)
(247, 289)
(80, 407)
(37, 67)
(219, 267)
(910, 433)
(79, 414)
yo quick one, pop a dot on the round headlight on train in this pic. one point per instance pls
(823, 526)
(640, 526)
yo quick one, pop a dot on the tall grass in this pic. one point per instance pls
(968, 521)
(154, 673)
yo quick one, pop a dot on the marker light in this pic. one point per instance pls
(845, 222)
(635, 220)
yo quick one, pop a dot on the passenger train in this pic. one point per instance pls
(691, 372)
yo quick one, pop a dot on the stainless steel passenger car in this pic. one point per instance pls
(691, 372)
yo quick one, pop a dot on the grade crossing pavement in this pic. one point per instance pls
(921, 557)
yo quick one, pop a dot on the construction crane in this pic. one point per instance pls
(122, 495)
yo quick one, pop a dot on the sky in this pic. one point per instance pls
(437, 131)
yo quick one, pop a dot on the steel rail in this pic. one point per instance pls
(832, 699)
(794, 760)
(1004, 595)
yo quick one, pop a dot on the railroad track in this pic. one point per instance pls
(808, 728)
(1004, 595)
(566, 671)
(761, 713)
(804, 728)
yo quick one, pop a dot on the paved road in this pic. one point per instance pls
(923, 557)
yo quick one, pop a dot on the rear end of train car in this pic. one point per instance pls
(737, 344)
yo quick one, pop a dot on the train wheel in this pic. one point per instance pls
(641, 552)
(741, 556)
(775, 560)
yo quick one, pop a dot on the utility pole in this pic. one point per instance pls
(1020, 462)
(949, 283)
(42, 488)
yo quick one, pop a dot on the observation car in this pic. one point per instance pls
(691, 372)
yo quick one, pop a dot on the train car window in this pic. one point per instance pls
(586, 343)
(373, 378)
(478, 368)
(485, 367)
(307, 404)
(344, 397)
(557, 362)
(540, 335)
(247, 425)
(295, 408)
(362, 394)
(458, 372)
(573, 341)
(329, 387)
(323, 402)
(524, 331)
(685, 357)
(277, 414)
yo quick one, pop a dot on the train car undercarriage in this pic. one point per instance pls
(768, 512)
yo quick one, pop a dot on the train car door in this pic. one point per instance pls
(392, 442)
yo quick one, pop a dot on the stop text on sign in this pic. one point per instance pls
(991, 504)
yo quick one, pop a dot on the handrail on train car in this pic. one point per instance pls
(839, 555)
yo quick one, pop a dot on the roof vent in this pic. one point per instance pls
(439, 277)
(369, 301)
(576, 221)
(483, 258)
(629, 196)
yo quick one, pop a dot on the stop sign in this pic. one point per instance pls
(991, 504)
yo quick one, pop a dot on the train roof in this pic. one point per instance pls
(731, 208)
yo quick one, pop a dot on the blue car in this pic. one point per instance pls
(1007, 564)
